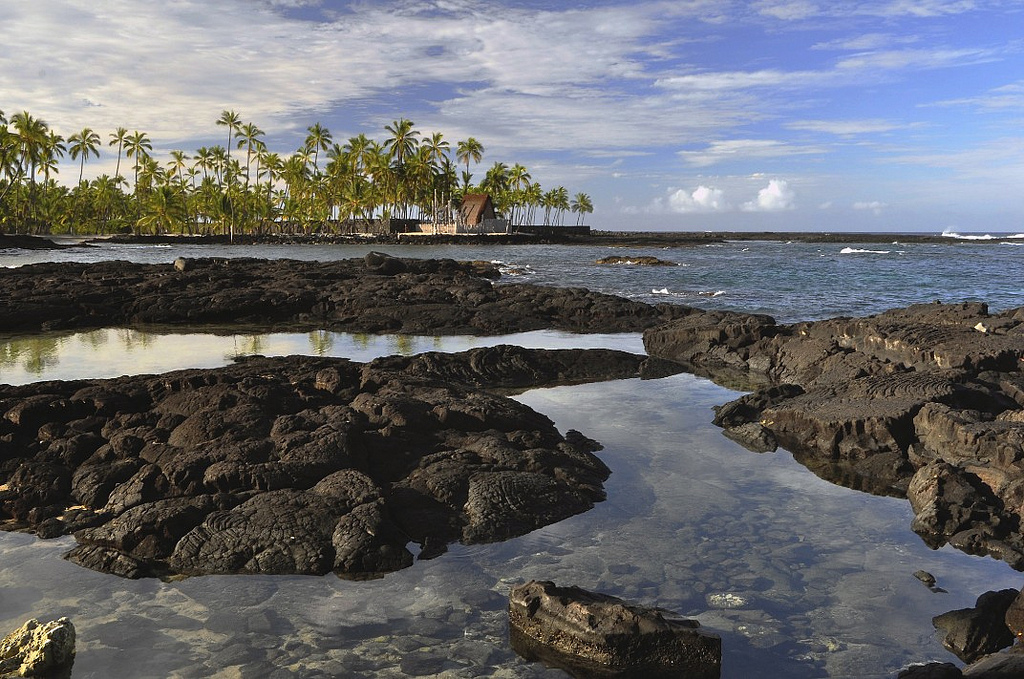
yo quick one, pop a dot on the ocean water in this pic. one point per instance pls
(801, 578)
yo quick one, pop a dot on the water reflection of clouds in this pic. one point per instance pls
(112, 352)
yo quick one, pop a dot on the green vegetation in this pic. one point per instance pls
(325, 186)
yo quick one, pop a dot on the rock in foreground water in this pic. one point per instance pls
(39, 650)
(595, 635)
(298, 464)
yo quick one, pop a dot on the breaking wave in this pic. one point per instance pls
(975, 236)
(861, 251)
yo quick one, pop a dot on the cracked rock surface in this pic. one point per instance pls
(298, 464)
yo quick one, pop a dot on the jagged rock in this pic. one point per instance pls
(591, 634)
(298, 464)
(927, 578)
(377, 293)
(867, 402)
(931, 671)
(1004, 665)
(975, 632)
(753, 436)
(39, 650)
(643, 260)
(708, 337)
(1015, 616)
(953, 505)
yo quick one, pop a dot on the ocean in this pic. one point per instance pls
(800, 577)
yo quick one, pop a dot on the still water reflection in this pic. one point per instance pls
(801, 578)
(112, 352)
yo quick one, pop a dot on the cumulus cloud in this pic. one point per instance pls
(701, 199)
(775, 197)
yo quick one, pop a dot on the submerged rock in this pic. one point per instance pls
(298, 464)
(39, 650)
(596, 635)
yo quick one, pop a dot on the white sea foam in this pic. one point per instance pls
(688, 293)
(860, 251)
(975, 236)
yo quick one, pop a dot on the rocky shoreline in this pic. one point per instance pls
(190, 472)
(925, 403)
(551, 236)
(377, 294)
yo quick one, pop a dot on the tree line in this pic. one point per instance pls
(243, 187)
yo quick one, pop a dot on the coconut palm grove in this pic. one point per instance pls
(242, 187)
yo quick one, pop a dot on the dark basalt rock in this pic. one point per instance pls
(643, 260)
(932, 670)
(595, 635)
(876, 403)
(975, 632)
(378, 293)
(1004, 665)
(297, 464)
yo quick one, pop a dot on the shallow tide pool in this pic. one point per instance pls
(800, 577)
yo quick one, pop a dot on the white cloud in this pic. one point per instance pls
(916, 59)
(775, 197)
(746, 150)
(701, 199)
(787, 10)
(863, 42)
(1007, 97)
(846, 128)
(874, 206)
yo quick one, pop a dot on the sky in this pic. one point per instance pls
(854, 115)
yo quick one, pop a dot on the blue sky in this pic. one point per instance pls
(866, 115)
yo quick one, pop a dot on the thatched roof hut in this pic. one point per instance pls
(476, 207)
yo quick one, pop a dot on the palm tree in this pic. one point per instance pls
(32, 134)
(118, 138)
(469, 150)
(496, 184)
(560, 202)
(318, 139)
(249, 137)
(53, 151)
(10, 161)
(137, 145)
(581, 205)
(403, 141)
(232, 121)
(437, 150)
(518, 181)
(164, 211)
(81, 145)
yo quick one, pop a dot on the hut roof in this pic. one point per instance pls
(477, 207)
